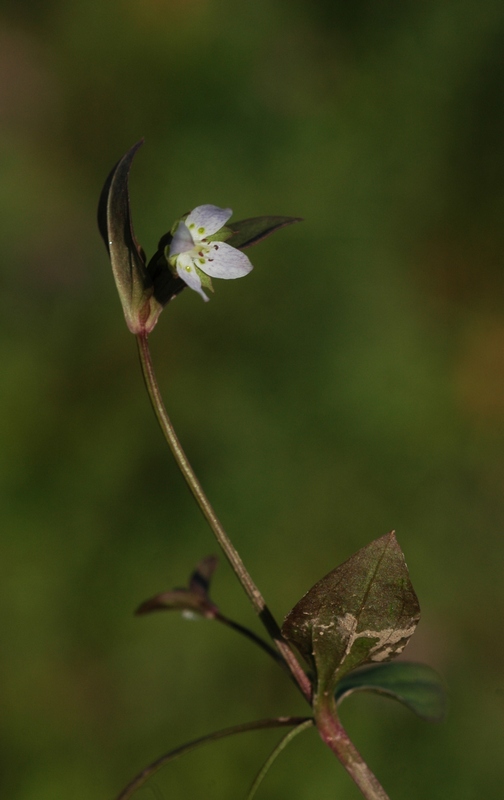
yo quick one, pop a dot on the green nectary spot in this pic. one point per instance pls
(201, 260)
(201, 231)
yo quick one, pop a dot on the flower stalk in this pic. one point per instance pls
(326, 717)
(208, 512)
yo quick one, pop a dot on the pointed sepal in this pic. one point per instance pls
(134, 284)
(248, 232)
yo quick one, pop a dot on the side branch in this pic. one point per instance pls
(145, 774)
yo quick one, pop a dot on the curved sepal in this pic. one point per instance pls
(248, 232)
(362, 612)
(416, 686)
(127, 258)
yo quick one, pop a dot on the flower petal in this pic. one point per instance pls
(207, 220)
(182, 240)
(187, 272)
(224, 261)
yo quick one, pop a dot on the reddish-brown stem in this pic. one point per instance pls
(335, 736)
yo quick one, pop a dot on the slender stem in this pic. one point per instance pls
(145, 774)
(230, 552)
(335, 736)
(253, 637)
(308, 723)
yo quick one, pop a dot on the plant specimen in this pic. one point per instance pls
(341, 636)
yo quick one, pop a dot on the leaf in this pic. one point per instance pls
(126, 256)
(364, 611)
(248, 232)
(416, 686)
(192, 600)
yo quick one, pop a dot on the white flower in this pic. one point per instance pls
(195, 249)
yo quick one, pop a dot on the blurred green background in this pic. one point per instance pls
(352, 384)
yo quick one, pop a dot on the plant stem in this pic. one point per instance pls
(335, 736)
(253, 637)
(230, 552)
(308, 723)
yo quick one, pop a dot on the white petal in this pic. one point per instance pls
(224, 261)
(182, 240)
(207, 220)
(186, 271)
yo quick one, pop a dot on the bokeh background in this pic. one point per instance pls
(352, 384)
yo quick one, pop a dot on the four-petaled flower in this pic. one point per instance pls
(198, 253)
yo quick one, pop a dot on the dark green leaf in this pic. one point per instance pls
(126, 256)
(362, 612)
(248, 232)
(415, 685)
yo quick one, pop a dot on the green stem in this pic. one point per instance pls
(308, 723)
(230, 552)
(145, 774)
(336, 738)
